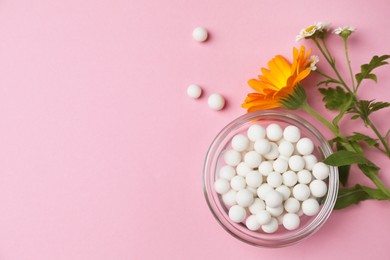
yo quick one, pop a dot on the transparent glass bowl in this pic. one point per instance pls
(213, 162)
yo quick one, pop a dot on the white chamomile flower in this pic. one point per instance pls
(313, 60)
(312, 30)
(344, 31)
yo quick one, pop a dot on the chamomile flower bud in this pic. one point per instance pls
(345, 31)
(316, 30)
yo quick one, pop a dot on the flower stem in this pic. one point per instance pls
(380, 137)
(349, 64)
(306, 107)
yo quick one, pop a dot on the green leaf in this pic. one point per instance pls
(295, 100)
(366, 69)
(350, 196)
(343, 170)
(342, 158)
(363, 138)
(364, 108)
(336, 98)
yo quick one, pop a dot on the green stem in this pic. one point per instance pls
(349, 64)
(380, 137)
(327, 51)
(326, 76)
(306, 107)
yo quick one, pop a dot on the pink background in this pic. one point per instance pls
(101, 151)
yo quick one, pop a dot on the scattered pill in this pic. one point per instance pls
(199, 34)
(194, 91)
(216, 101)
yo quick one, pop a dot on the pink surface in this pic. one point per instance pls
(101, 151)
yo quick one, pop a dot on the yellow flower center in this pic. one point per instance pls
(310, 28)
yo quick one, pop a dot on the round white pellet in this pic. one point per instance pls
(320, 171)
(273, 199)
(280, 165)
(304, 176)
(229, 198)
(237, 213)
(290, 178)
(263, 190)
(286, 148)
(252, 159)
(256, 132)
(291, 221)
(296, 163)
(216, 101)
(274, 179)
(263, 217)
(244, 198)
(243, 169)
(318, 188)
(292, 134)
(194, 91)
(227, 172)
(305, 146)
(232, 158)
(237, 183)
(271, 227)
(292, 205)
(252, 223)
(310, 207)
(310, 160)
(274, 132)
(275, 212)
(221, 186)
(262, 146)
(301, 192)
(274, 153)
(254, 179)
(257, 206)
(240, 143)
(265, 168)
(199, 34)
(284, 190)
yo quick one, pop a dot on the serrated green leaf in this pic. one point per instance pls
(363, 108)
(366, 69)
(350, 196)
(341, 158)
(335, 98)
(363, 138)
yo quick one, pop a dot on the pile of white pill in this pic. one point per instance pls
(271, 177)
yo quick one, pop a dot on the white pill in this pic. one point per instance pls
(265, 168)
(275, 212)
(290, 178)
(221, 186)
(274, 179)
(292, 134)
(318, 188)
(280, 165)
(286, 148)
(257, 206)
(237, 213)
(305, 146)
(271, 227)
(216, 101)
(252, 159)
(263, 217)
(284, 190)
(238, 183)
(254, 179)
(256, 132)
(263, 190)
(273, 199)
(194, 91)
(227, 172)
(262, 146)
(274, 132)
(240, 143)
(244, 198)
(310, 207)
(199, 34)
(252, 223)
(291, 221)
(321, 171)
(292, 205)
(296, 163)
(232, 158)
(310, 160)
(229, 198)
(273, 153)
(301, 192)
(243, 169)
(304, 176)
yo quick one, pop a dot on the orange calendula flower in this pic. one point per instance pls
(278, 81)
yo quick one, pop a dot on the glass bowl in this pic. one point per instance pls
(213, 162)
